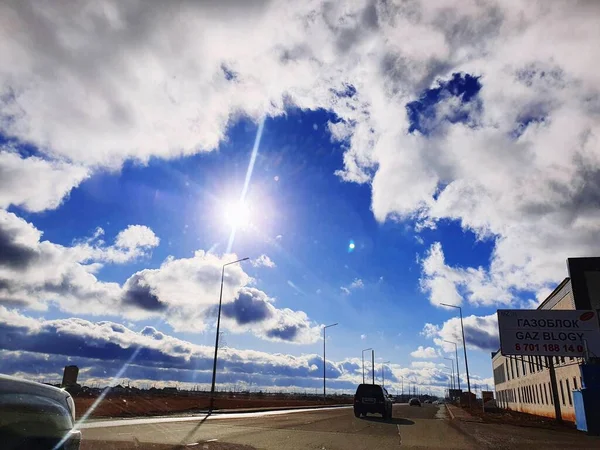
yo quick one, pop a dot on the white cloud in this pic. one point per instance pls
(423, 365)
(363, 336)
(481, 333)
(36, 184)
(182, 291)
(357, 283)
(429, 330)
(445, 284)
(425, 353)
(135, 236)
(523, 169)
(263, 261)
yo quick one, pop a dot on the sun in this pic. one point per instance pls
(237, 214)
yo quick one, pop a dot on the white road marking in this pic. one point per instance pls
(195, 418)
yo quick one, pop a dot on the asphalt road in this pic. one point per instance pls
(329, 429)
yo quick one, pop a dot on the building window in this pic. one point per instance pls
(562, 393)
(545, 394)
(569, 393)
(575, 383)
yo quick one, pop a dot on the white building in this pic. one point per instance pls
(523, 383)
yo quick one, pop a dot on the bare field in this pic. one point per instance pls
(155, 405)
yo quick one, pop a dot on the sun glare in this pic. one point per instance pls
(237, 215)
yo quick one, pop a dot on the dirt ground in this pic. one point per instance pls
(508, 417)
(152, 405)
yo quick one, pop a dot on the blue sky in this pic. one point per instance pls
(453, 171)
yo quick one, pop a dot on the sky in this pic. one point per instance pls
(371, 159)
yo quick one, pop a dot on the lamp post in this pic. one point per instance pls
(324, 360)
(214, 373)
(373, 365)
(451, 369)
(456, 353)
(464, 347)
(382, 372)
(363, 362)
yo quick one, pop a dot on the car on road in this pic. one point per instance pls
(414, 402)
(36, 416)
(372, 398)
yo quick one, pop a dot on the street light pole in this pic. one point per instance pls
(382, 373)
(464, 347)
(373, 365)
(456, 352)
(214, 373)
(363, 362)
(452, 369)
(325, 361)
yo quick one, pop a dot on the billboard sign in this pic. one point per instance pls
(486, 396)
(541, 332)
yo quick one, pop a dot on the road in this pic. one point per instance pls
(327, 429)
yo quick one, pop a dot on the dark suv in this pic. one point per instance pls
(372, 398)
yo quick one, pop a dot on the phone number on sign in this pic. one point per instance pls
(549, 348)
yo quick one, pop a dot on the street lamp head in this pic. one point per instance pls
(236, 261)
(332, 325)
(450, 306)
(450, 342)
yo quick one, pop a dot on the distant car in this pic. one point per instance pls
(427, 401)
(36, 416)
(372, 398)
(414, 402)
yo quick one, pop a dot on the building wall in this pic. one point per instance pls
(523, 383)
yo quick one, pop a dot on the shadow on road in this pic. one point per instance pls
(184, 441)
(392, 421)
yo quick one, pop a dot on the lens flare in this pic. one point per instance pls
(351, 246)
